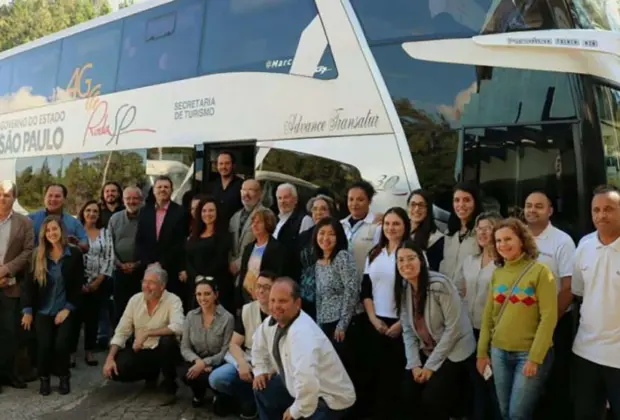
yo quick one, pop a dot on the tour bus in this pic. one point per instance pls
(320, 92)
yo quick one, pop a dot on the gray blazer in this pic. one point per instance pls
(241, 240)
(446, 319)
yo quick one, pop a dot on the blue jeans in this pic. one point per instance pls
(273, 401)
(518, 394)
(225, 380)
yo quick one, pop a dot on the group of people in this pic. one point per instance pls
(311, 315)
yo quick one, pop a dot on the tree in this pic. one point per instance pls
(23, 21)
(126, 3)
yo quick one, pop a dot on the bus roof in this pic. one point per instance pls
(581, 51)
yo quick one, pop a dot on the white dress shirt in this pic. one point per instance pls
(136, 318)
(312, 368)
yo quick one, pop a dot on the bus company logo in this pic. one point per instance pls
(99, 124)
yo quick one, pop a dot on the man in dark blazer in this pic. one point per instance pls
(16, 245)
(161, 234)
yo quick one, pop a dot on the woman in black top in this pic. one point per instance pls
(264, 254)
(206, 254)
(320, 207)
(424, 231)
(387, 361)
(52, 289)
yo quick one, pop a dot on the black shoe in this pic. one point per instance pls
(220, 406)
(45, 388)
(64, 385)
(17, 383)
(248, 411)
(198, 402)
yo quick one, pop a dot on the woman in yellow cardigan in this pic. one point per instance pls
(518, 322)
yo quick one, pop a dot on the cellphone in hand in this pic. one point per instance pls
(488, 372)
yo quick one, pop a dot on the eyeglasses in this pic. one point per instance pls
(203, 278)
(264, 287)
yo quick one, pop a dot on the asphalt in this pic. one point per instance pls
(93, 397)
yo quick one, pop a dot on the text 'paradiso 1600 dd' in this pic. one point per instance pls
(512, 95)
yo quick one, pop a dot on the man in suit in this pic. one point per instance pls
(240, 225)
(161, 234)
(16, 245)
(292, 220)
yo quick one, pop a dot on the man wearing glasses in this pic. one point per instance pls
(232, 381)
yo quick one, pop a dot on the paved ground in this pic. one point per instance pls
(92, 397)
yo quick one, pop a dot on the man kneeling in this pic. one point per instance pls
(154, 317)
(297, 372)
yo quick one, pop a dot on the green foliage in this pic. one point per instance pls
(125, 3)
(434, 146)
(83, 176)
(23, 21)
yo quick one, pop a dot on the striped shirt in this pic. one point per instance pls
(100, 256)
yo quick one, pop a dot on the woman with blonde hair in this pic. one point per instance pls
(518, 322)
(52, 291)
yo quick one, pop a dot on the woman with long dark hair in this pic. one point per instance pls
(460, 240)
(439, 341)
(98, 269)
(424, 231)
(319, 207)
(206, 335)
(52, 290)
(206, 254)
(387, 359)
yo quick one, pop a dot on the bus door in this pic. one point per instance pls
(205, 167)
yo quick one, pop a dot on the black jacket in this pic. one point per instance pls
(33, 295)
(274, 259)
(168, 249)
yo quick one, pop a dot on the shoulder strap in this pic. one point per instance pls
(512, 289)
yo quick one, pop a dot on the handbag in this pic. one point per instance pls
(512, 289)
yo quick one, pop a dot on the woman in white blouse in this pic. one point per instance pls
(387, 361)
(460, 240)
(472, 279)
(98, 265)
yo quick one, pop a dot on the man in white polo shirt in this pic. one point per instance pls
(557, 250)
(596, 278)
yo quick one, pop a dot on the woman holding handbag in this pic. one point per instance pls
(518, 322)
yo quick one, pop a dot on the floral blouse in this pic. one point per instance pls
(337, 290)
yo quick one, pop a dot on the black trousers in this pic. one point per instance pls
(440, 397)
(592, 386)
(555, 401)
(88, 315)
(9, 334)
(53, 344)
(125, 285)
(198, 385)
(147, 364)
(387, 363)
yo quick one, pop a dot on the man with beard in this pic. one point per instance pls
(240, 225)
(111, 201)
(227, 189)
(123, 226)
